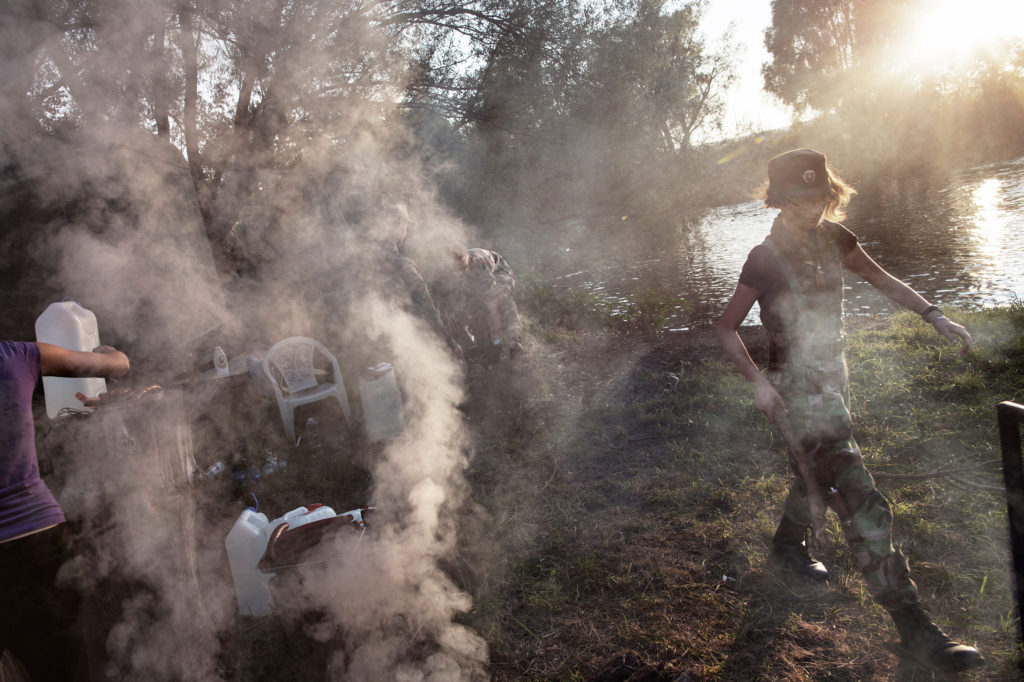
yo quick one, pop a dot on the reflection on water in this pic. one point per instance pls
(959, 245)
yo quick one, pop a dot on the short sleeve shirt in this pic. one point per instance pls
(26, 504)
(800, 285)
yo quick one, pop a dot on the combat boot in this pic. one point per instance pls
(789, 549)
(929, 646)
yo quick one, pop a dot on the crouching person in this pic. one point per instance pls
(479, 304)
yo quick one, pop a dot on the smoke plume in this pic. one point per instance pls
(120, 227)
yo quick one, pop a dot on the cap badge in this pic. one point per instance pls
(809, 176)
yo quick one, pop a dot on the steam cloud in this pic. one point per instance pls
(132, 249)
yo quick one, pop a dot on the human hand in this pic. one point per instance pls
(87, 401)
(767, 400)
(956, 333)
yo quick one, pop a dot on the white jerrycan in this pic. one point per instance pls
(246, 543)
(69, 325)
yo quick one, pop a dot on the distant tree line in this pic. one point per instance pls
(843, 61)
(526, 112)
(523, 117)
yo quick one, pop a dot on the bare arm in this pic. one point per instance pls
(104, 361)
(899, 292)
(766, 398)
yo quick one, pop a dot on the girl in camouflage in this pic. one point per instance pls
(796, 277)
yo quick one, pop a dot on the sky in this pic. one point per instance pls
(748, 104)
(943, 36)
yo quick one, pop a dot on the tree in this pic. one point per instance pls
(655, 73)
(812, 50)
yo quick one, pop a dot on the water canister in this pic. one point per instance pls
(246, 543)
(69, 325)
(382, 402)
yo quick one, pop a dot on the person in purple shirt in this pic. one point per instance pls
(38, 613)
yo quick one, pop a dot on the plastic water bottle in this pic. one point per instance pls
(238, 472)
(71, 326)
(215, 469)
(220, 361)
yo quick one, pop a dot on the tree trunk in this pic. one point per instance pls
(160, 94)
(189, 122)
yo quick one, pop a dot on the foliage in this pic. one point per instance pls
(552, 307)
(811, 45)
(546, 110)
(647, 313)
(842, 61)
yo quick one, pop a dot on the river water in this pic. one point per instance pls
(959, 243)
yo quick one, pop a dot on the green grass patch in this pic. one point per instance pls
(653, 536)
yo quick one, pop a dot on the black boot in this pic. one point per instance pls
(930, 646)
(790, 550)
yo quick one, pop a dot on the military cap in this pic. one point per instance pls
(800, 173)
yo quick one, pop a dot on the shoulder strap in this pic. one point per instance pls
(784, 266)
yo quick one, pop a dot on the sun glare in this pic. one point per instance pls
(988, 220)
(947, 32)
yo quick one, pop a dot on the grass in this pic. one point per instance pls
(654, 540)
(622, 493)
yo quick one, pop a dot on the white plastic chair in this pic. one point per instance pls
(290, 365)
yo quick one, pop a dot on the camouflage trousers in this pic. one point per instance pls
(817, 399)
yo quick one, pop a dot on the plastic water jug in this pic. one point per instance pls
(303, 515)
(382, 402)
(246, 543)
(69, 325)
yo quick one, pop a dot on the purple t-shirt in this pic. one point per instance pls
(26, 504)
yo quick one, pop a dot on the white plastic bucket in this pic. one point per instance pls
(69, 325)
(382, 402)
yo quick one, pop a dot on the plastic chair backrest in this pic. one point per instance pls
(293, 359)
